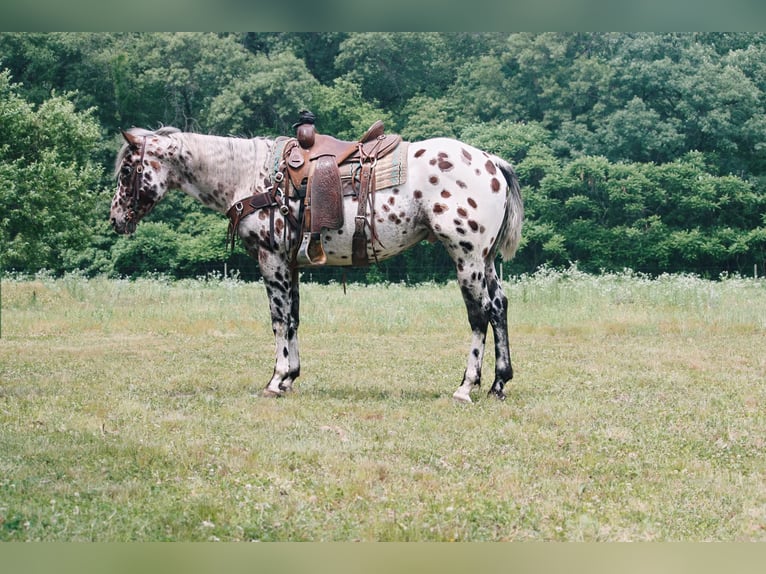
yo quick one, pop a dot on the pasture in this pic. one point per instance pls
(129, 412)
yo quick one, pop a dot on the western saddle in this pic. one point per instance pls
(311, 163)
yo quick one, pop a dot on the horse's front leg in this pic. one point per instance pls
(284, 301)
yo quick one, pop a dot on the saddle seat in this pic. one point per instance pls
(313, 163)
(328, 145)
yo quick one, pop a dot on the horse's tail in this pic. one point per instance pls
(510, 234)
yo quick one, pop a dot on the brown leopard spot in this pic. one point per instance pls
(440, 208)
(433, 180)
(472, 202)
(495, 185)
(445, 165)
(466, 156)
(491, 169)
(446, 194)
(417, 194)
(462, 212)
(420, 152)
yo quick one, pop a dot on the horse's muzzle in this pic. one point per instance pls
(126, 226)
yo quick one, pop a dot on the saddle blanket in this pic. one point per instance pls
(390, 171)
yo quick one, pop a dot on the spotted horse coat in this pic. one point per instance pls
(467, 199)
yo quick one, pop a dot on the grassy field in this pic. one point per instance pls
(127, 413)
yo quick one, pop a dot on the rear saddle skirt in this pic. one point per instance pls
(317, 166)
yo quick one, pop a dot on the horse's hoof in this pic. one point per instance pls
(462, 399)
(499, 395)
(269, 394)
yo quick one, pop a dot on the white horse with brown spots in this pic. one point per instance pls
(465, 198)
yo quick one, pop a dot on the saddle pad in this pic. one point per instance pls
(390, 171)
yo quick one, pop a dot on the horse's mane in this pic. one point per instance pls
(256, 150)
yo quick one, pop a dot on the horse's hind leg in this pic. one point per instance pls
(498, 318)
(473, 286)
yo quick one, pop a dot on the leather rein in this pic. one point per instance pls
(136, 181)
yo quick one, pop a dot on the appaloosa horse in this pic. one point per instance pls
(457, 194)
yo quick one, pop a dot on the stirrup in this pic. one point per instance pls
(311, 252)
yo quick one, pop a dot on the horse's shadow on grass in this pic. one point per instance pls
(371, 393)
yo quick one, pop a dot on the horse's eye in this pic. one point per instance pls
(126, 170)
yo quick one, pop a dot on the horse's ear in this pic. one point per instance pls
(130, 138)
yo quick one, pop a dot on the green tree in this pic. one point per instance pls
(264, 98)
(178, 74)
(482, 92)
(638, 133)
(152, 249)
(391, 67)
(49, 181)
(425, 117)
(317, 49)
(343, 112)
(512, 141)
(688, 88)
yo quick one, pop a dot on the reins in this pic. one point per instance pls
(136, 181)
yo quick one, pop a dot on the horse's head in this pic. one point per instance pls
(143, 174)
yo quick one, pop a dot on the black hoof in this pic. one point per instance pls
(497, 393)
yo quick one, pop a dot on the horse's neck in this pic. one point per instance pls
(221, 170)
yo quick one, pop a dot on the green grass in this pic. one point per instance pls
(127, 413)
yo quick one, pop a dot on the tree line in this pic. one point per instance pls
(643, 150)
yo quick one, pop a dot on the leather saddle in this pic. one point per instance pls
(312, 161)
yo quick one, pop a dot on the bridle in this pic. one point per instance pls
(136, 181)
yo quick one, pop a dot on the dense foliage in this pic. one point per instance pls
(642, 151)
